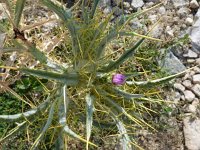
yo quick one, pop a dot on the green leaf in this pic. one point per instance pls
(155, 82)
(126, 94)
(37, 54)
(28, 114)
(63, 106)
(89, 116)
(66, 78)
(123, 58)
(45, 128)
(18, 11)
(94, 7)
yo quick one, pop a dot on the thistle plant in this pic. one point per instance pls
(89, 82)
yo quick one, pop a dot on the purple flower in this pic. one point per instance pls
(118, 79)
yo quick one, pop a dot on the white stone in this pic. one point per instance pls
(189, 21)
(196, 78)
(189, 96)
(187, 84)
(191, 54)
(169, 31)
(180, 3)
(153, 18)
(137, 3)
(197, 61)
(107, 10)
(162, 10)
(190, 61)
(196, 89)
(194, 4)
(157, 31)
(192, 133)
(179, 87)
(191, 108)
(183, 11)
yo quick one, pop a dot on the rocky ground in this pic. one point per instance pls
(174, 19)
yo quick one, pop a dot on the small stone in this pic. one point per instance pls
(190, 61)
(191, 54)
(187, 76)
(153, 18)
(197, 61)
(187, 84)
(196, 78)
(194, 4)
(137, 3)
(180, 3)
(183, 11)
(179, 87)
(196, 89)
(191, 108)
(107, 10)
(169, 31)
(162, 10)
(189, 21)
(189, 96)
(177, 97)
(126, 5)
(196, 69)
(191, 133)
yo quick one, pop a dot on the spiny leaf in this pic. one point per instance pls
(66, 78)
(18, 11)
(94, 7)
(123, 58)
(89, 116)
(27, 114)
(48, 123)
(126, 94)
(71, 133)
(157, 81)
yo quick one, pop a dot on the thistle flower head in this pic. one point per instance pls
(118, 79)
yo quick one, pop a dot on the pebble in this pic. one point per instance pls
(194, 4)
(196, 78)
(189, 21)
(189, 96)
(180, 3)
(183, 11)
(196, 89)
(179, 87)
(191, 54)
(197, 61)
(187, 84)
(169, 31)
(162, 10)
(191, 108)
(191, 130)
(137, 3)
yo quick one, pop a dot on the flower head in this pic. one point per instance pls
(118, 79)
